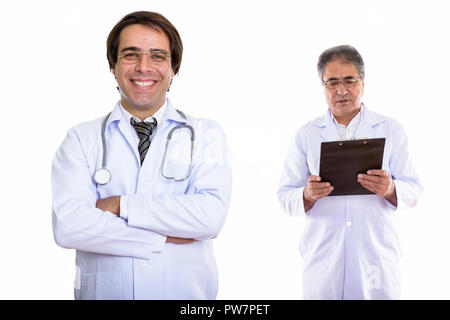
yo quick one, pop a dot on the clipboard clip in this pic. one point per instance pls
(353, 138)
(340, 144)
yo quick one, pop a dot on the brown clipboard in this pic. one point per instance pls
(341, 161)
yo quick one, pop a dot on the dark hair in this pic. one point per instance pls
(150, 19)
(346, 54)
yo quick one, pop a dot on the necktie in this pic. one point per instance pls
(144, 131)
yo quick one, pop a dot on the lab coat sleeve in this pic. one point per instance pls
(198, 213)
(77, 223)
(294, 177)
(408, 186)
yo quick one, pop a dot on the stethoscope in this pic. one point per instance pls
(103, 176)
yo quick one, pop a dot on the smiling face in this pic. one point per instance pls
(343, 102)
(143, 85)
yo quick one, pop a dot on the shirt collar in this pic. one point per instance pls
(356, 119)
(173, 114)
(166, 112)
(158, 115)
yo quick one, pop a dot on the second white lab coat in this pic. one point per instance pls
(349, 245)
(129, 259)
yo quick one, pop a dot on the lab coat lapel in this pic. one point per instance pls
(124, 128)
(158, 144)
(172, 114)
(170, 119)
(369, 121)
(365, 129)
(328, 130)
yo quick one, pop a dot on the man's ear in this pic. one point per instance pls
(113, 72)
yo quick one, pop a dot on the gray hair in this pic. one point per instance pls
(346, 54)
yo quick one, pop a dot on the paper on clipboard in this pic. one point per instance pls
(341, 161)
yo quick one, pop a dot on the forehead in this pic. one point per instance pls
(143, 37)
(340, 69)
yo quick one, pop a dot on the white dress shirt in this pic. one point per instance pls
(348, 132)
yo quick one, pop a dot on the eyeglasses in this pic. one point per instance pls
(348, 82)
(155, 56)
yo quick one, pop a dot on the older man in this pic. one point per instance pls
(349, 246)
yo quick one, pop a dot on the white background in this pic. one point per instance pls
(250, 65)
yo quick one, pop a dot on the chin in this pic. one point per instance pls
(140, 103)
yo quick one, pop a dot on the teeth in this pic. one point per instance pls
(144, 84)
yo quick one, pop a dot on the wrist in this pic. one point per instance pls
(391, 190)
(307, 203)
(391, 195)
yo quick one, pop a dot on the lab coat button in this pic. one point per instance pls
(349, 223)
(143, 264)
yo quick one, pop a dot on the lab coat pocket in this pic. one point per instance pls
(391, 239)
(319, 233)
(189, 283)
(99, 286)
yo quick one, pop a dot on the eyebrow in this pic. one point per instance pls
(347, 77)
(139, 50)
(130, 49)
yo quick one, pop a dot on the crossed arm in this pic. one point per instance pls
(82, 222)
(112, 204)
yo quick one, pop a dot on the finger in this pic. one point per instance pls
(313, 178)
(365, 177)
(378, 172)
(100, 204)
(320, 193)
(372, 186)
(176, 240)
(365, 185)
(319, 185)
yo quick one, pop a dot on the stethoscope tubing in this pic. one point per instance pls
(107, 174)
(169, 137)
(104, 139)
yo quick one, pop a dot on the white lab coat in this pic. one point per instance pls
(349, 245)
(129, 259)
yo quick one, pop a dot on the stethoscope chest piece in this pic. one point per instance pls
(102, 176)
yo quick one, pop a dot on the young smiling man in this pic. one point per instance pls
(143, 86)
(349, 246)
(143, 228)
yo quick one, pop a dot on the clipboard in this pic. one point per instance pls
(341, 161)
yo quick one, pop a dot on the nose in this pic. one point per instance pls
(341, 89)
(143, 63)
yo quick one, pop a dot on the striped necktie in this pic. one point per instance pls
(144, 131)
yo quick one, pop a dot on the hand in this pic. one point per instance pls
(178, 240)
(315, 190)
(111, 204)
(379, 182)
